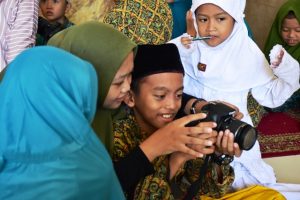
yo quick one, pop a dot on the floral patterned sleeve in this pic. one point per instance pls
(212, 186)
(130, 162)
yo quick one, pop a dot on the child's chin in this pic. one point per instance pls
(162, 124)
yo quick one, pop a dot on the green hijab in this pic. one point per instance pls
(106, 49)
(275, 36)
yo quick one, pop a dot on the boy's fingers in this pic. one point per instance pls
(189, 118)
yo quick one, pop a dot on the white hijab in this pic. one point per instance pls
(234, 65)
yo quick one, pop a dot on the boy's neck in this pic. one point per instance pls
(145, 127)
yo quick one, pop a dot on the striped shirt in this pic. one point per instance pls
(18, 26)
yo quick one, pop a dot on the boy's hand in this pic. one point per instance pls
(225, 144)
(212, 137)
(238, 115)
(176, 137)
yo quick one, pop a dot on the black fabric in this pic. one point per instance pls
(131, 169)
(195, 186)
(154, 59)
(47, 29)
(184, 101)
(2, 74)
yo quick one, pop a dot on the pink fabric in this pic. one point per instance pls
(18, 26)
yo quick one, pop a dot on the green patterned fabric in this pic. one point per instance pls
(143, 21)
(256, 111)
(128, 135)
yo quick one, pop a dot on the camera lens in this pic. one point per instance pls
(244, 134)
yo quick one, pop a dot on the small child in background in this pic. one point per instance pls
(53, 19)
(286, 32)
(229, 65)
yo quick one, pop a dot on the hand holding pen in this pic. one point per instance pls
(186, 41)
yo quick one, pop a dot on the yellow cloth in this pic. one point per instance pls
(254, 192)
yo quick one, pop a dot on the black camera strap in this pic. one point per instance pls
(195, 186)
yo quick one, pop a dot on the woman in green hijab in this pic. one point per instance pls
(282, 33)
(111, 53)
(286, 32)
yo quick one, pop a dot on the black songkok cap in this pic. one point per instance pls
(155, 59)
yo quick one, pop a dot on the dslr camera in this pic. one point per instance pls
(244, 134)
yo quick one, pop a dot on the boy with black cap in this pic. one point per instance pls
(154, 100)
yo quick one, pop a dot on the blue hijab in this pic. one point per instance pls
(48, 149)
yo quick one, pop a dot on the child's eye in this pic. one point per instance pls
(221, 19)
(118, 83)
(202, 20)
(179, 96)
(159, 97)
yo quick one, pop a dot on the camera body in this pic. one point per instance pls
(223, 115)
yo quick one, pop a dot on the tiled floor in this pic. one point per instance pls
(286, 168)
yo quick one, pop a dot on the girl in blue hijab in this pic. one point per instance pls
(48, 149)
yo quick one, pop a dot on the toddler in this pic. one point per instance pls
(53, 20)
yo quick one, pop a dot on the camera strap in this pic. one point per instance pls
(196, 185)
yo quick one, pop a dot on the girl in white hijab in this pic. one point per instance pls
(229, 65)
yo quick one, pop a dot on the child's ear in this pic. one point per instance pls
(129, 100)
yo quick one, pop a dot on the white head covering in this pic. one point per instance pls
(234, 65)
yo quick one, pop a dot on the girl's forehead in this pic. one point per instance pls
(234, 8)
(210, 9)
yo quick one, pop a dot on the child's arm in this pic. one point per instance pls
(186, 39)
(190, 28)
(276, 56)
(282, 86)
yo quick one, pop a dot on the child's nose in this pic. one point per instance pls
(171, 103)
(48, 4)
(211, 25)
(126, 86)
(292, 34)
